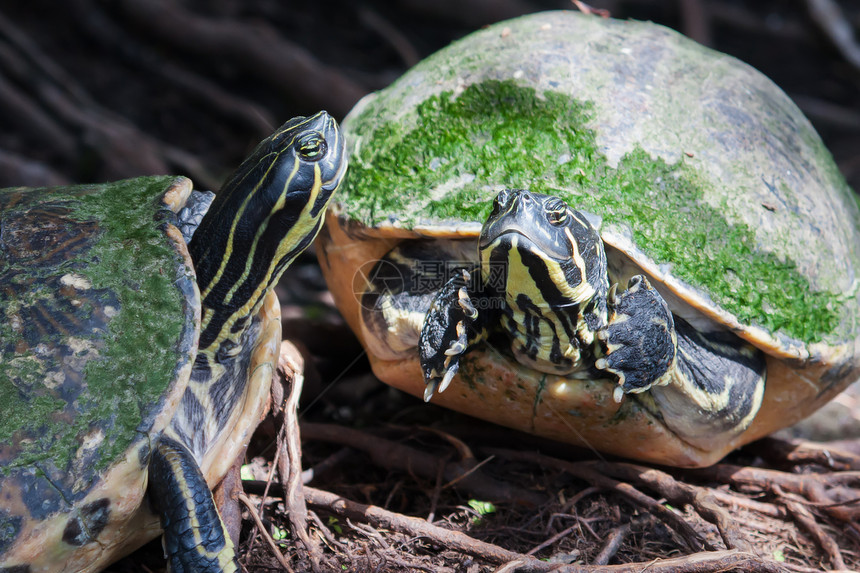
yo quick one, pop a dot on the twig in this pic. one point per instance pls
(811, 486)
(696, 21)
(591, 10)
(399, 41)
(560, 535)
(289, 373)
(333, 461)
(807, 522)
(437, 489)
(704, 562)
(395, 456)
(797, 452)
(680, 493)
(123, 148)
(732, 499)
(587, 473)
(381, 518)
(740, 19)
(370, 532)
(472, 13)
(17, 170)
(265, 532)
(613, 543)
(103, 30)
(824, 112)
(326, 533)
(29, 118)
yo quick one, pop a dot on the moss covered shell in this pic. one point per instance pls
(99, 316)
(695, 162)
(702, 173)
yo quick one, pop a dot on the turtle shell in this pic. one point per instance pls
(99, 321)
(698, 170)
(100, 315)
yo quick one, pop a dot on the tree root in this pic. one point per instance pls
(395, 456)
(710, 561)
(792, 497)
(289, 463)
(587, 472)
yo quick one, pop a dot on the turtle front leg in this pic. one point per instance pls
(639, 343)
(451, 327)
(194, 535)
(706, 387)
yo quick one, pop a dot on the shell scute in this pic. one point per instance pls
(83, 269)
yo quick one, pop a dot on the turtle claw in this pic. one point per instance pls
(449, 375)
(449, 330)
(435, 384)
(458, 347)
(611, 296)
(451, 363)
(465, 302)
(430, 389)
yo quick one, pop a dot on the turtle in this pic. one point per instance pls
(661, 175)
(138, 338)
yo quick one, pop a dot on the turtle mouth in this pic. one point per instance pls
(514, 234)
(501, 235)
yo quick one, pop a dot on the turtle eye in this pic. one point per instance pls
(556, 212)
(311, 146)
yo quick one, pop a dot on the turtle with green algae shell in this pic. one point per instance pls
(699, 174)
(138, 338)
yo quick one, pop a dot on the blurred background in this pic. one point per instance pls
(93, 90)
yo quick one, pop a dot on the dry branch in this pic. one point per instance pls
(17, 170)
(289, 376)
(265, 532)
(383, 519)
(800, 452)
(680, 493)
(828, 15)
(395, 456)
(704, 562)
(583, 471)
(807, 522)
(123, 148)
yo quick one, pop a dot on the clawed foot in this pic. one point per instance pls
(445, 334)
(639, 343)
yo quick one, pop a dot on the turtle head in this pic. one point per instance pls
(543, 244)
(267, 213)
(549, 262)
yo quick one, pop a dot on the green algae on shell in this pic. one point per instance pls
(701, 160)
(98, 318)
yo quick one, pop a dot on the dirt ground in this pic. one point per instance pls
(94, 90)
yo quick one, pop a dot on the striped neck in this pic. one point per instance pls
(268, 212)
